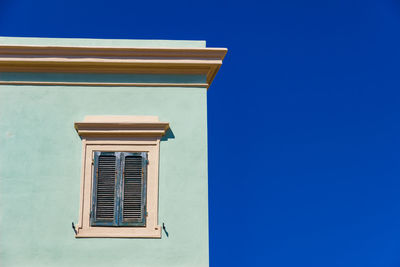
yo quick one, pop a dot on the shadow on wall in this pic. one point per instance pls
(168, 135)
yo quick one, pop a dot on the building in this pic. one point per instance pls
(103, 152)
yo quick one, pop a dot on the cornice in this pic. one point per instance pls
(115, 129)
(66, 59)
(121, 126)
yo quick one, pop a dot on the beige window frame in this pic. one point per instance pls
(120, 134)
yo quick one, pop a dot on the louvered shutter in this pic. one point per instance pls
(105, 189)
(133, 189)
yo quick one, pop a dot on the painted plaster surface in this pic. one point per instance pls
(100, 42)
(40, 174)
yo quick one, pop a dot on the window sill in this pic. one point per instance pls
(119, 232)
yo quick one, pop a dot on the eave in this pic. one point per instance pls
(67, 59)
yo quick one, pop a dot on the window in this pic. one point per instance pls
(119, 190)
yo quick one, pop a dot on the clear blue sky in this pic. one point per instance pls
(304, 118)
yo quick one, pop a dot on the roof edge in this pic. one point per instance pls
(96, 59)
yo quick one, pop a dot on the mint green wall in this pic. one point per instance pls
(40, 164)
(100, 42)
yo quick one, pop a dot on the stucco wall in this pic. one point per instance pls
(40, 164)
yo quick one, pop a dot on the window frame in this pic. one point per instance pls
(132, 143)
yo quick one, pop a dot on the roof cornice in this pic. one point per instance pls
(82, 59)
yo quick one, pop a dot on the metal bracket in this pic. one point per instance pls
(165, 230)
(73, 228)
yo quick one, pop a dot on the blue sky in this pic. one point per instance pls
(304, 129)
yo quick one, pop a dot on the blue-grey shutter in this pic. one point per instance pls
(104, 200)
(133, 188)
